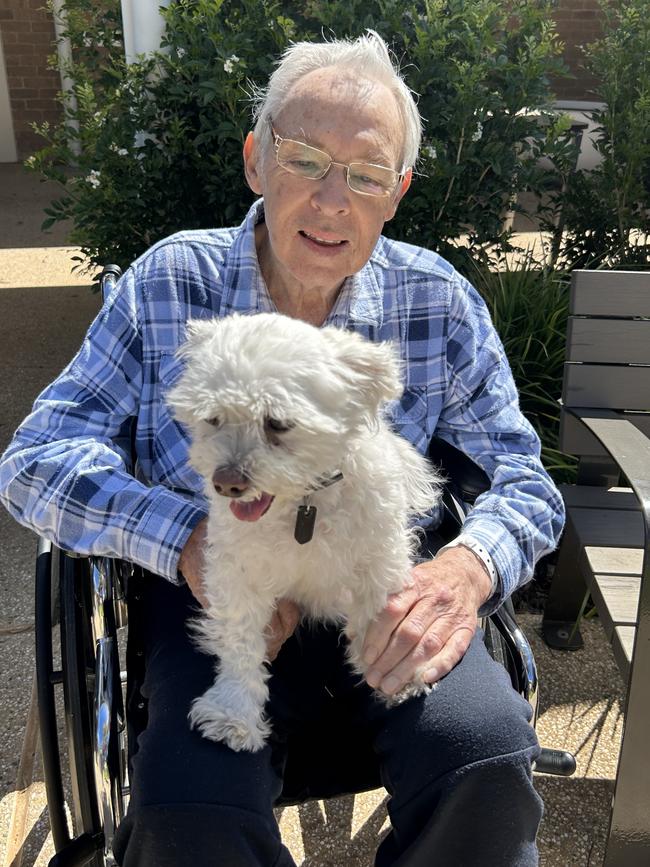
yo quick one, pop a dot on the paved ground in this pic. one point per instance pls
(43, 314)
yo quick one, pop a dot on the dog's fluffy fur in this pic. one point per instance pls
(285, 405)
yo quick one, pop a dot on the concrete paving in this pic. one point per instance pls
(44, 312)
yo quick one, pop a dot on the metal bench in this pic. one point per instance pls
(605, 551)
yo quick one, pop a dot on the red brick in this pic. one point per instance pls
(25, 93)
(20, 70)
(17, 26)
(36, 80)
(44, 26)
(41, 104)
(18, 49)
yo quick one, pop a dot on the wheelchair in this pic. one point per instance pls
(96, 604)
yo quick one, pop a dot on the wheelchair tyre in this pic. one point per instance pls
(94, 712)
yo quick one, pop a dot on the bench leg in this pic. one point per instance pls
(567, 596)
(629, 836)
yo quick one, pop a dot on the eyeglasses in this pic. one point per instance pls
(313, 164)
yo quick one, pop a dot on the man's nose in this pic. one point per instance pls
(332, 194)
(230, 482)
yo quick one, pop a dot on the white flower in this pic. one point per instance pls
(181, 52)
(122, 152)
(229, 65)
(477, 135)
(93, 178)
(30, 162)
(430, 151)
(87, 42)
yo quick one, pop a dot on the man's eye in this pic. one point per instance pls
(277, 426)
(304, 165)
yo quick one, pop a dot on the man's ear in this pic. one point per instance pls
(252, 164)
(401, 192)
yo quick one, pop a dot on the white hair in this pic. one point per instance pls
(368, 55)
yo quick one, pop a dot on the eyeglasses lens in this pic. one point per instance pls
(308, 162)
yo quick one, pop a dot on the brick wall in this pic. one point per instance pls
(578, 23)
(27, 36)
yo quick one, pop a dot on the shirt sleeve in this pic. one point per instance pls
(67, 472)
(520, 518)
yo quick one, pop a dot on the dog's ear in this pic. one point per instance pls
(188, 398)
(372, 369)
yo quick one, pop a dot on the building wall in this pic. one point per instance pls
(578, 22)
(27, 33)
(27, 36)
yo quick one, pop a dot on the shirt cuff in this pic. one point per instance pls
(161, 533)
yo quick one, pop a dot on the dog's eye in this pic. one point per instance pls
(276, 425)
(215, 421)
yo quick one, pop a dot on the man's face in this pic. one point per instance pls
(353, 120)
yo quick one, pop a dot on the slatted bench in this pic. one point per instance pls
(605, 550)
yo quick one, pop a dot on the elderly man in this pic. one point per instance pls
(336, 136)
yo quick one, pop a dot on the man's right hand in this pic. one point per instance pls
(191, 564)
(192, 561)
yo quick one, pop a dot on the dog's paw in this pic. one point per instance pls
(411, 690)
(240, 731)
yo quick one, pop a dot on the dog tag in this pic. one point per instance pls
(305, 520)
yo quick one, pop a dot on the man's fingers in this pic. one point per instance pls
(420, 665)
(381, 629)
(414, 634)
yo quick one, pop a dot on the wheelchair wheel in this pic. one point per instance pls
(91, 613)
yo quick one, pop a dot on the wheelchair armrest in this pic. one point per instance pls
(465, 477)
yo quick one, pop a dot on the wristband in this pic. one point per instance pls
(480, 552)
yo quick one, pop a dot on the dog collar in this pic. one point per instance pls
(306, 514)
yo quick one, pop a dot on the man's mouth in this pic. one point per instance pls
(325, 242)
(253, 510)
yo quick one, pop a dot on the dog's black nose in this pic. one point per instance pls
(230, 482)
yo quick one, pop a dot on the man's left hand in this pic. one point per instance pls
(428, 626)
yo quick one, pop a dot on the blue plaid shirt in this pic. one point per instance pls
(68, 472)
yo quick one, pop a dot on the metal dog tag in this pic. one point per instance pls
(305, 520)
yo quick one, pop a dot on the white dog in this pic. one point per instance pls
(285, 422)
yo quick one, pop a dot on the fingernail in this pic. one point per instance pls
(373, 678)
(431, 676)
(389, 686)
(370, 655)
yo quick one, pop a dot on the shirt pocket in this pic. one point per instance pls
(408, 416)
(171, 440)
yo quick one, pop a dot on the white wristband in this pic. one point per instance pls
(477, 549)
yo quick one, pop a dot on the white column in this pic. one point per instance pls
(64, 51)
(143, 26)
(7, 140)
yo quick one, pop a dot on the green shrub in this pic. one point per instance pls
(607, 210)
(157, 145)
(529, 307)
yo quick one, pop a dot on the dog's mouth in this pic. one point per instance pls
(253, 510)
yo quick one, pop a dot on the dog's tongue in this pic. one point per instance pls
(252, 511)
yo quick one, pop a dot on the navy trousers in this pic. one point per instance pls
(456, 764)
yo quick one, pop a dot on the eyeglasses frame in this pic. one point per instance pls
(278, 139)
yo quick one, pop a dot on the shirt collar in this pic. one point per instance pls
(244, 289)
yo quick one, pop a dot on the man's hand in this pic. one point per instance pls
(428, 626)
(191, 563)
(281, 626)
